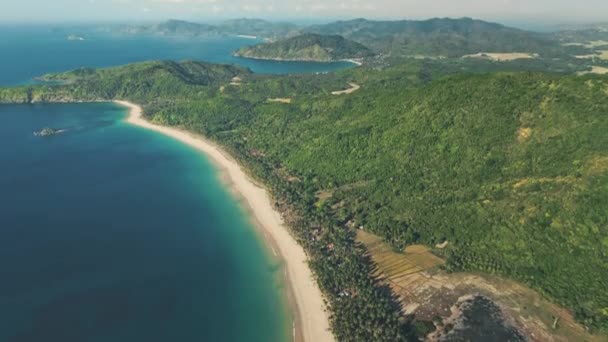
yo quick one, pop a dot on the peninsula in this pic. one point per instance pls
(307, 47)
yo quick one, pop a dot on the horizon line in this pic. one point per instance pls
(507, 20)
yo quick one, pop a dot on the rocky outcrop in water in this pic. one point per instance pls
(47, 131)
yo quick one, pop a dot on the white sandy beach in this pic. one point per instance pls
(312, 322)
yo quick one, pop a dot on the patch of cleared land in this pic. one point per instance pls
(573, 44)
(427, 57)
(525, 182)
(524, 133)
(236, 81)
(353, 88)
(603, 54)
(599, 70)
(596, 43)
(325, 194)
(595, 70)
(280, 100)
(590, 45)
(597, 165)
(426, 292)
(502, 57)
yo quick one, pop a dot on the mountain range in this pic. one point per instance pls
(438, 37)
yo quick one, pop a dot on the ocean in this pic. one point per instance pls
(110, 232)
(28, 52)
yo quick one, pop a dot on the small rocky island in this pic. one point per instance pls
(47, 132)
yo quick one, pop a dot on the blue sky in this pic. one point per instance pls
(144, 10)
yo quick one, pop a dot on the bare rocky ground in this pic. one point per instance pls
(466, 306)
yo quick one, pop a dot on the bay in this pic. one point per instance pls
(31, 51)
(110, 232)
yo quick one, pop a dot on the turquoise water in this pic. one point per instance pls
(109, 232)
(114, 233)
(28, 52)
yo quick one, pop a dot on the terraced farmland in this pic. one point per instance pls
(427, 292)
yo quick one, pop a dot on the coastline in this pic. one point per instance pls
(246, 36)
(311, 321)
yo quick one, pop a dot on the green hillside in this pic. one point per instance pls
(307, 47)
(434, 37)
(438, 37)
(182, 28)
(251, 27)
(583, 34)
(510, 168)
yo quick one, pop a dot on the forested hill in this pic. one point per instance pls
(438, 37)
(165, 80)
(592, 38)
(308, 47)
(184, 28)
(252, 27)
(511, 169)
(434, 37)
(169, 28)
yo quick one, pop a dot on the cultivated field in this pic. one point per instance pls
(502, 57)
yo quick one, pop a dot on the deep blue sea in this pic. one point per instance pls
(28, 52)
(109, 232)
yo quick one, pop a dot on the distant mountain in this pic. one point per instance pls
(308, 47)
(259, 28)
(582, 27)
(170, 28)
(434, 37)
(592, 34)
(249, 27)
(445, 37)
(180, 27)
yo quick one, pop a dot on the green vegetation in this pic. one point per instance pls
(433, 37)
(510, 167)
(584, 35)
(588, 43)
(308, 47)
(162, 81)
(252, 27)
(182, 28)
(389, 40)
(438, 37)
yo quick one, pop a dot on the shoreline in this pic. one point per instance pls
(310, 319)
